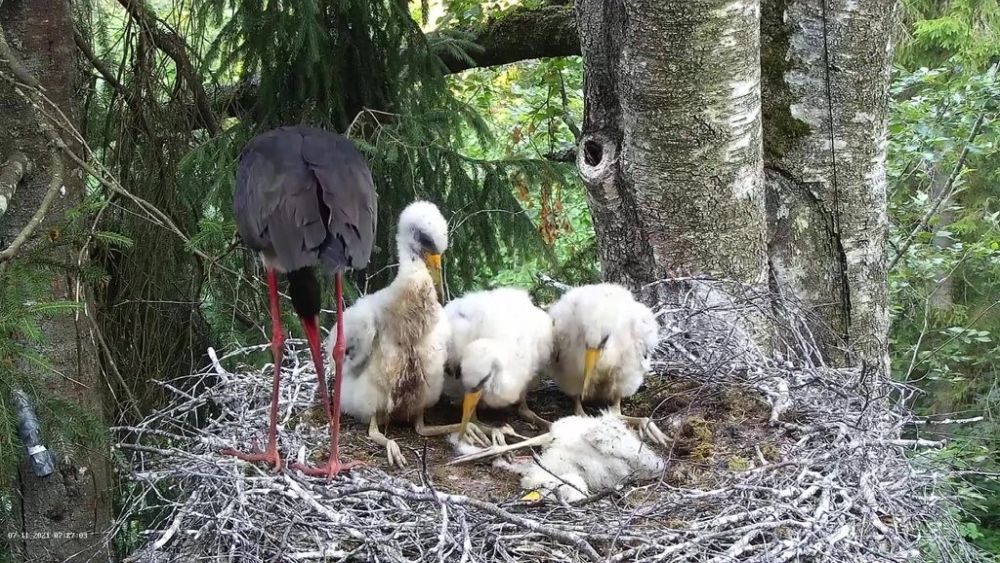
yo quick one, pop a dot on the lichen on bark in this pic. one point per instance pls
(680, 93)
(824, 133)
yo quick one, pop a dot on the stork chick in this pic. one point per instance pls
(603, 338)
(500, 342)
(397, 337)
(582, 455)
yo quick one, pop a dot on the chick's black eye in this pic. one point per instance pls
(425, 241)
(604, 341)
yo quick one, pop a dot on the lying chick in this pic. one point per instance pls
(581, 456)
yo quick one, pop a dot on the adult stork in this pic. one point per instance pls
(305, 199)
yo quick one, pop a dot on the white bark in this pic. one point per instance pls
(671, 152)
(828, 64)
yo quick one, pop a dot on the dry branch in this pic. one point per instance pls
(847, 484)
(176, 48)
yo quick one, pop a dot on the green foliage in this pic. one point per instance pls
(530, 107)
(946, 317)
(966, 32)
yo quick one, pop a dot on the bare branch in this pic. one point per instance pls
(106, 74)
(55, 185)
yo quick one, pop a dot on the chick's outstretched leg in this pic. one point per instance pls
(474, 432)
(392, 450)
(525, 412)
(643, 425)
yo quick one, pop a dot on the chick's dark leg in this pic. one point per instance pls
(525, 412)
(270, 454)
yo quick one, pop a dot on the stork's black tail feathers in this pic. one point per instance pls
(303, 288)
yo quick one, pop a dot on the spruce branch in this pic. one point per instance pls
(176, 48)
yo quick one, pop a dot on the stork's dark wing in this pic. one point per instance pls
(348, 191)
(276, 204)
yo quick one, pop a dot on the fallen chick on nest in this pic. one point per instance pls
(581, 456)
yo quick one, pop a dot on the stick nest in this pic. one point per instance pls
(775, 457)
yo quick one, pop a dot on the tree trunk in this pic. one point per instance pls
(63, 516)
(674, 166)
(671, 145)
(826, 80)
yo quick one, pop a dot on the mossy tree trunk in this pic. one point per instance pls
(63, 517)
(693, 167)
(827, 70)
(671, 148)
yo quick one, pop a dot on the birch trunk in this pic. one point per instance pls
(63, 517)
(671, 148)
(675, 161)
(826, 79)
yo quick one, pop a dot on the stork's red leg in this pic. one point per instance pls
(333, 466)
(277, 348)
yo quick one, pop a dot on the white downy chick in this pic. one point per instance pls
(581, 456)
(397, 337)
(603, 341)
(500, 343)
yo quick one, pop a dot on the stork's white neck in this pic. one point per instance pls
(409, 262)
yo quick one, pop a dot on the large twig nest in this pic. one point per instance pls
(773, 460)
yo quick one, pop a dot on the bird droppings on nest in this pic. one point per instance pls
(798, 462)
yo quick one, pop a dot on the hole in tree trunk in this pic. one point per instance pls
(596, 157)
(593, 152)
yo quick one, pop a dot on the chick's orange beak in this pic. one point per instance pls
(590, 358)
(469, 403)
(433, 262)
